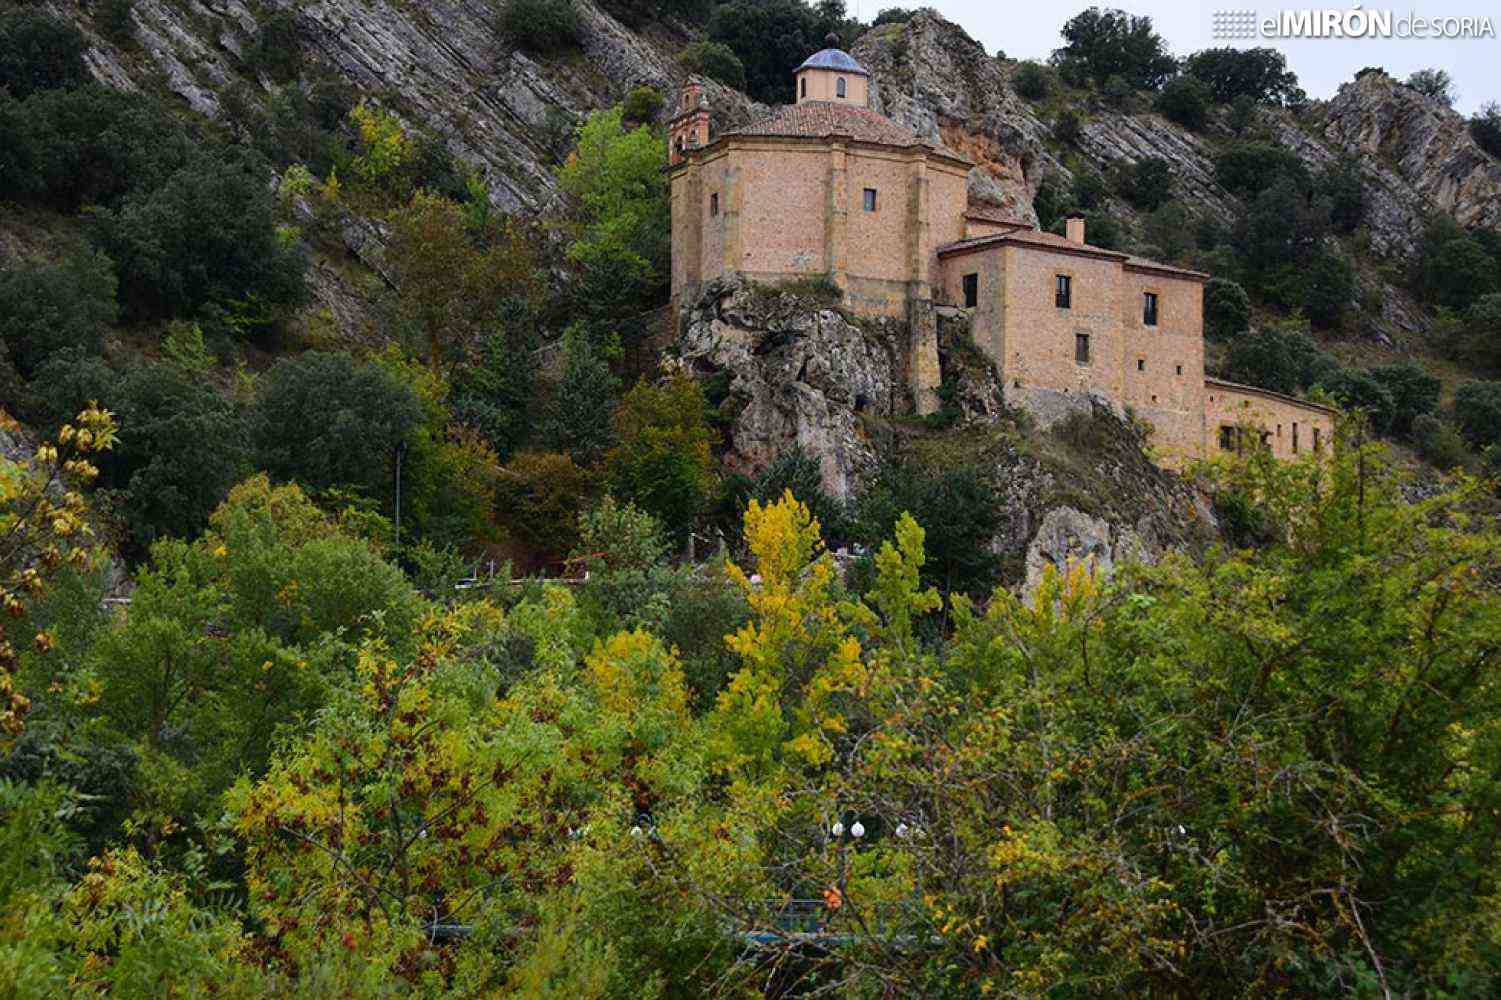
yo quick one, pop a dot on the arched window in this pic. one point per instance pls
(803, 87)
(839, 87)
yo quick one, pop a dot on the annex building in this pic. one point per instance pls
(827, 188)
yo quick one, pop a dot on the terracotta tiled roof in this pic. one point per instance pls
(1155, 266)
(1033, 237)
(823, 119)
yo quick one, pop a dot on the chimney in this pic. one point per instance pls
(1074, 227)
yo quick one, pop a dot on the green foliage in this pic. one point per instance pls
(1485, 128)
(796, 471)
(362, 415)
(1455, 268)
(1170, 228)
(39, 52)
(46, 308)
(1147, 183)
(963, 508)
(715, 61)
(1357, 389)
(1249, 168)
(1477, 409)
(771, 38)
(1101, 44)
(1242, 115)
(1227, 309)
(1031, 81)
(1050, 202)
(1118, 93)
(1433, 83)
(662, 460)
(1439, 441)
(115, 19)
(892, 15)
(1414, 392)
(1260, 74)
(1088, 190)
(641, 104)
(576, 418)
(1281, 236)
(541, 26)
(615, 536)
(1283, 358)
(621, 218)
(1068, 128)
(538, 501)
(206, 237)
(495, 392)
(1185, 100)
(276, 49)
(1342, 185)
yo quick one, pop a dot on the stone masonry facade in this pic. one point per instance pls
(826, 189)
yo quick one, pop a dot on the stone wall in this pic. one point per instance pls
(1164, 364)
(1288, 426)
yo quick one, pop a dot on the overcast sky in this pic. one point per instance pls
(1030, 30)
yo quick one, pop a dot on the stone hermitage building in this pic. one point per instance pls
(826, 188)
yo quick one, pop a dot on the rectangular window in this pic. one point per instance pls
(1149, 308)
(971, 290)
(1295, 437)
(1141, 364)
(1317, 439)
(870, 199)
(714, 203)
(1180, 369)
(1064, 292)
(803, 87)
(1227, 437)
(1081, 348)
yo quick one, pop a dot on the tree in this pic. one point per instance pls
(1030, 80)
(770, 38)
(1357, 389)
(715, 61)
(621, 218)
(1105, 43)
(324, 421)
(39, 52)
(1433, 83)
(206, 237)
(44, 309)
(1477, 408)
(1246, 169)
(963, 508)
(1184, 100)
(1328, 285)
(1242, 115)
(538, 502)
(1281, 358)
(1414, 392)
(576, 418)
(661, 460)
(1457, 272)
(1342, 184)
(1485, 128)
(541, 26)
(1260, 74)
(1227, 309)
(495, 392)
(277, 48)
(892, 15)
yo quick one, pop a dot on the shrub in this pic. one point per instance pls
(615, 536)
(1354, 388)
(959, 509)
(39, 52)
(662, 460)
(45, 308)
(1088, 190)
(1227, 309)
(1251, 167)
(1050, 202)
(1438, 441)
(1184, 100)
(642, 104)
(715, 61)
(1031, 81)
(893, 15)
(795, 470)
(1281, 358)
(1068, 128)
(540, 26)
(1147, 183)
(277, 48)
(1341, 184)
(1485, 128)
(324, 421)
(1433, 83)
(1260, 74)
(1118, 93)
(207, 235)
(1457, 271)
(1328, 285)
(1477, 408)
(115, 19)
(1242, 115)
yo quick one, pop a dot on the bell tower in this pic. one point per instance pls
(689, 128)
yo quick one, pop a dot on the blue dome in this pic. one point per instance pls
(835, 59)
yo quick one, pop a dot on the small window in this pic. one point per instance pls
(1141, 364)
(1318, 442)
(802, 87)
(1295, 437)
(1081, 348)
(1149, 308)
(1180, 369)
(839, 87)
(870, 199)
(714, 203)
(1064, 292)
(1227, 437)
(971, 290)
